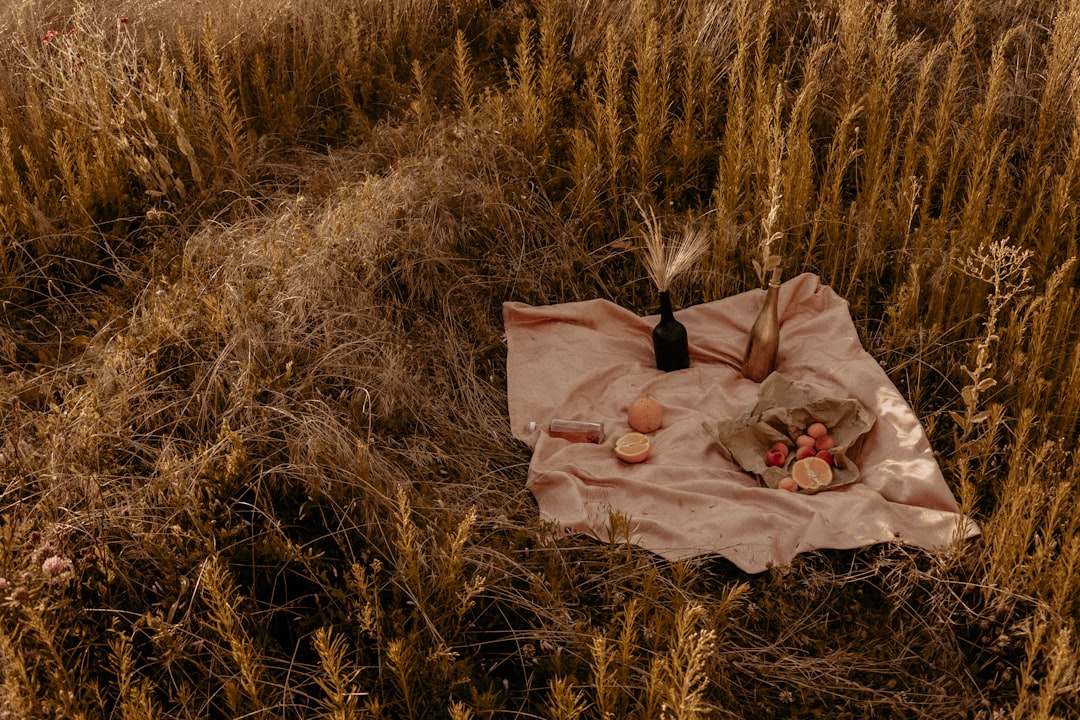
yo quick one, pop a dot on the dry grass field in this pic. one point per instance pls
(254, 451)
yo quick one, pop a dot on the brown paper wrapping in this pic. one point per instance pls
(782, 412)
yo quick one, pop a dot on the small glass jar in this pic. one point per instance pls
(582, 431)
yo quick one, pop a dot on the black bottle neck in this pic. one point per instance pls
(666, 313)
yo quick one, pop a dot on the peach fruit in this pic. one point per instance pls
(777, 455)
(825, 442)
(645, 415)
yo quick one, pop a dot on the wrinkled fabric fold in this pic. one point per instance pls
(589, 360)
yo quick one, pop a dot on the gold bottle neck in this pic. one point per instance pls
(774, 281)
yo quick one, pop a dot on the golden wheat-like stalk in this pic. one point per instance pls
(464, 82)
(340, 702)
(564, 702)
(460, 711)
(553, 76)
(401, 659)
(650, 100)
(18, 694)
(526, 100)
(606, 105)
(601, 660)
(664, 263)
(228, 120)
(136, 701)
(678, 679)
(223, 600)
(770, 233)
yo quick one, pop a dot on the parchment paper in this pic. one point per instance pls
(782, 412)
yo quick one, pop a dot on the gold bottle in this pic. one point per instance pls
(761, 348)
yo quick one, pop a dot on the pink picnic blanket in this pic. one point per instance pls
(589, 360)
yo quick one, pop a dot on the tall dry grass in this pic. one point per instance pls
(255, 459)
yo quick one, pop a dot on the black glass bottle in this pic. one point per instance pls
(669, 339)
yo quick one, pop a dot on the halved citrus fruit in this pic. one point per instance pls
(811, 473)
(645, 415)
(633, 447)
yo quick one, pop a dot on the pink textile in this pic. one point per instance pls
(589, 360)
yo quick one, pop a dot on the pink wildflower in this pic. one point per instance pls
(49, 36)
(123, 21)
(54, 565)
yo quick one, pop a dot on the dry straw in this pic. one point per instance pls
(666, 262)
(251, 387)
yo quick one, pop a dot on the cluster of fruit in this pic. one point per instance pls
(814, 442)
(645, 415)
(812, 469)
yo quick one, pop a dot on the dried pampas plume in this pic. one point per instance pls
(769, 235)
(664, 263)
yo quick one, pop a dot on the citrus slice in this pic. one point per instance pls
(633, 447)
(811, 473)
(645, 415)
